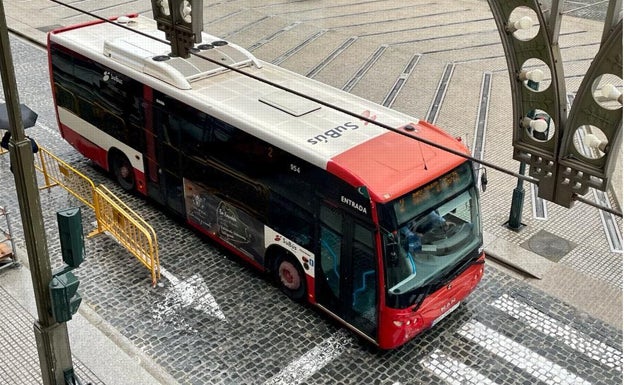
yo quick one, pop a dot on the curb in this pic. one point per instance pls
(123, 343)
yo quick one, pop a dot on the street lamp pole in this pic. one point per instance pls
(52, 338)
(517, 202)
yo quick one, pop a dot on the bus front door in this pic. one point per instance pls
(346, 283)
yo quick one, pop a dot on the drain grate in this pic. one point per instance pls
(548, 245)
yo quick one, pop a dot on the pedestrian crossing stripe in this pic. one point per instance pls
(314, 360)
(518, 355)
(452, 371)
(592, 348)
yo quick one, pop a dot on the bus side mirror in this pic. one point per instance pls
(391, 249)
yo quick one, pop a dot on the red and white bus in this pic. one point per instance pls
(377, 229)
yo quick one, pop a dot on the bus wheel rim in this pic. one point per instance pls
(124, 171)
(289, 276)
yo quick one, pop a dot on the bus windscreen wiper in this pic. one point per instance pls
(443, 280)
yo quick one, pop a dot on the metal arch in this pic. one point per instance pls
(614, 14)
(541, 156)
(575, 171)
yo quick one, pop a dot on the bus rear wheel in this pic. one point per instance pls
(124, 173)
(290, 277)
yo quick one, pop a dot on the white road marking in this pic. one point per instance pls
(190, 293)
(452, 371)
(300, 370)
(518, 355)
(571, 337)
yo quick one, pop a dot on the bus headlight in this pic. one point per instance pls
(412, 321)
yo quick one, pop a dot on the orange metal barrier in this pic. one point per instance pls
(112, 215)
(56, 172)
(130, 230)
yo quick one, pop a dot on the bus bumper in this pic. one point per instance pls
(401, 325)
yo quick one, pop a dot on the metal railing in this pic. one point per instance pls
(128, 228)
(56, 172)
(112, 215)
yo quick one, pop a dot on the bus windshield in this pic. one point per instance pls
(436, 228)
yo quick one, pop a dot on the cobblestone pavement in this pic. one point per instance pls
(213, 320)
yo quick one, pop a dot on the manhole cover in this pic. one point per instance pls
(548, 245)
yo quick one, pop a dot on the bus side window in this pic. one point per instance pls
(173, 129)
(290, 220)
(240, 150)
(331, 248)
(192, 132)
(364, 273)
(65, 98)
(85, 108)
(221, 132)
(190, 139)
(135, 121)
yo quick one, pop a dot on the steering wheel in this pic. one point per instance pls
(447, 230)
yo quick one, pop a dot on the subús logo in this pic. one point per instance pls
(109, 76)
(334, 133)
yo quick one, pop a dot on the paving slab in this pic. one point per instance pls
(115, 361)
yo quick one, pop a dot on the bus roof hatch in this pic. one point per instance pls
(290, 103)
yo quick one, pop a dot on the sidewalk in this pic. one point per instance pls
(598, 298)
(115, 361)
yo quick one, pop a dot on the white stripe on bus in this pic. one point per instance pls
(99, 137)
(518, 355)
(571, 337)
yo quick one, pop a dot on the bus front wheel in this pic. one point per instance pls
(290, 277)
(124, 173)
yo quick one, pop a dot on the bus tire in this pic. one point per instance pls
(123, 171)
(290, 277)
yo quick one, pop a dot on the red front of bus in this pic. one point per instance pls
(398, 326)
(432, 247)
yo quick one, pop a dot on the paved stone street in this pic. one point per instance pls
(213, 320)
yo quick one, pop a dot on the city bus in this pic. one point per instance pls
(372, 226)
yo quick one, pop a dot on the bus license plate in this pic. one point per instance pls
(445, 314)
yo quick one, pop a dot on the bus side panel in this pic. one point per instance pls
(95, 145)
(87, 148)
(209, 212)
(304, 257)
